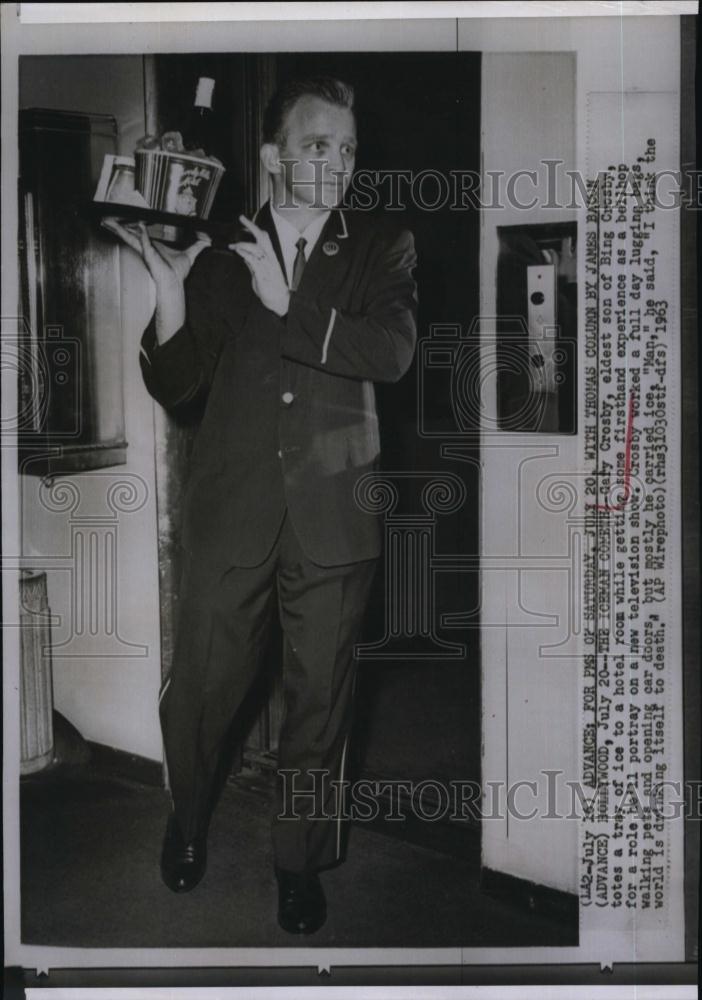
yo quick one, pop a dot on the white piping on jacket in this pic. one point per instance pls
(327, 338)
(345, 234)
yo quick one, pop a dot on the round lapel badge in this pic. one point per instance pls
(331, 248)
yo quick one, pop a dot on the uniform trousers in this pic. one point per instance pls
(223, 627)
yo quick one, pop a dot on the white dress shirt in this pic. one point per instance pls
(288, 237)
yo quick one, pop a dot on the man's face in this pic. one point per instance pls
(318, 153)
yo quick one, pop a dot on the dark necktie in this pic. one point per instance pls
(299, 263)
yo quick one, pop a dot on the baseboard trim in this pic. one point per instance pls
(122, 764)
(531, 896)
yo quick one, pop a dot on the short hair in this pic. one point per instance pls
(281, 103)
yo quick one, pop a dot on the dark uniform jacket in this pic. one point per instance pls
(290, 419)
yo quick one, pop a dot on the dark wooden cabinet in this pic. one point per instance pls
(70, 352)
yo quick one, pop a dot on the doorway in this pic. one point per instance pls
(418, 700)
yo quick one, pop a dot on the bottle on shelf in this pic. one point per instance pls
(190, 190)
(197, 135)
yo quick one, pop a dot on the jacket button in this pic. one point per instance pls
(280, 454)
(287, 398)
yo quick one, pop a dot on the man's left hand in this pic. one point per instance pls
(266, 274)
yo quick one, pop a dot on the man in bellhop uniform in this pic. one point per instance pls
(285, 337)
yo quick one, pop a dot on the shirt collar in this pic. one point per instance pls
(289, 235)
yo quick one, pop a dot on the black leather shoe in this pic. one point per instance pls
(182, 865)
(302, 908)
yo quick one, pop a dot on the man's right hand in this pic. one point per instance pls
(168, 269)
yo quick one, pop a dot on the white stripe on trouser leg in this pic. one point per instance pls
(342, 769)
(341, 799)
(165, 687)
(167, 779)
(165, 758)
(327, 338)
